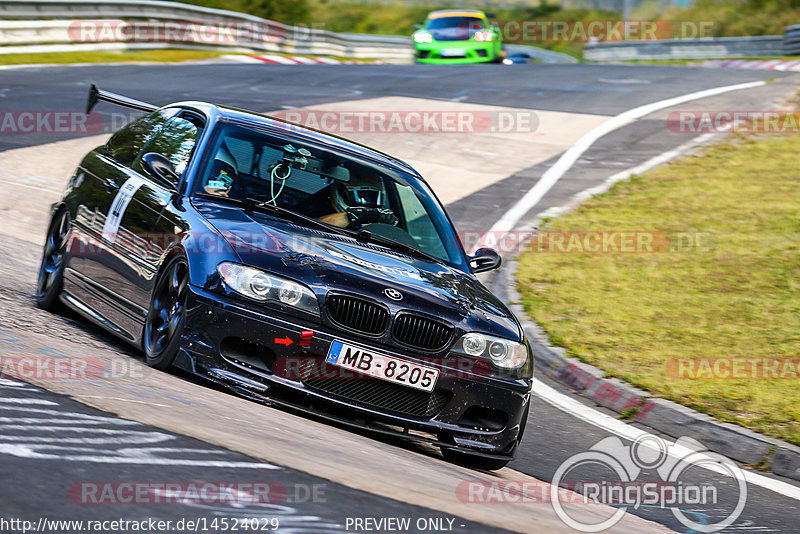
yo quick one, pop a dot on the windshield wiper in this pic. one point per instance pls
(366, 236)
(284, 213)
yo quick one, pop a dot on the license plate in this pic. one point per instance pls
(452, 52)
(377, 365)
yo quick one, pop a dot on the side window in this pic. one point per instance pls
(176, 141)
(126, 144)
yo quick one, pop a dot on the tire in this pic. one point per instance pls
(50, 281)
(475, 462)
(499, 56)
(167, 315)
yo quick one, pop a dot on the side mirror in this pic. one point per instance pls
(160, 168)
(485, 259)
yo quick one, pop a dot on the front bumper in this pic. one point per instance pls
(455, 52)
(234, 343)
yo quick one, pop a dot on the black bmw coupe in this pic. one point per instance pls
(294, 268)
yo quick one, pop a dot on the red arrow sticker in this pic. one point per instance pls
(283, 341)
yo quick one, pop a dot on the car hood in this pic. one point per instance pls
(330, 262)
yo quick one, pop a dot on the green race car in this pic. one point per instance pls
(458, 36)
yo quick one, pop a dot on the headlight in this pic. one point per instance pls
(423, 37)
(483, 36)
(504, 353)
(261, 286)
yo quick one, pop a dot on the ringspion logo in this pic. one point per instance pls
(650, 472)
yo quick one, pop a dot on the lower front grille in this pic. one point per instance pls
(380, 394)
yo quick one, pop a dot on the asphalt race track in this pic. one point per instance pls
(135, 424)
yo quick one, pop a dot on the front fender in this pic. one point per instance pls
(203, 250)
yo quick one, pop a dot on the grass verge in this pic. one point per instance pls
(699, 62)
(155, 56)
(730, 290)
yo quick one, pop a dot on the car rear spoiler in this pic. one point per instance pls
(95, 95)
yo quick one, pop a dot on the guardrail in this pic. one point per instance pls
(63, 36)
(791, 41)
(252, 34)
(705, 48)
(128, 9)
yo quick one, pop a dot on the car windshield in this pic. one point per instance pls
(331, 187)
(439, 23)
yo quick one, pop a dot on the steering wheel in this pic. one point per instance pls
(361, 215)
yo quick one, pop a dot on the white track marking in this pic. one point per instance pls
(128, 456)
(68, 430)
(13, 385)
(7, 400)
(9, 382)
(60, 415)
(125, 438)
(23, 437)
(626, 431)
(655, 161)
(568, 158)
(61, 421)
